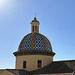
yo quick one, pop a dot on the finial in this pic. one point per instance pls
(34, 18)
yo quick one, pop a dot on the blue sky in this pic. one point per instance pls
(57, 23)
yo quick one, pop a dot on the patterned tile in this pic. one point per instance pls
(26, 45)
(38, 43)
(48, 44)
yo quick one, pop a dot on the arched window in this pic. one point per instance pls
(24, 64)
(33, 29)
(36, 29)
(39, 63)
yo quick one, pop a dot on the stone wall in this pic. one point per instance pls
(5, 72)
(56, 74)
(31, 61)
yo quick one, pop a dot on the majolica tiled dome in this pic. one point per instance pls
(35, 41)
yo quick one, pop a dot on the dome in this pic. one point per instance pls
(35, 20)
(35, 41)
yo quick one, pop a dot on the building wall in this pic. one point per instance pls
(5, 72)
(61, 74)
(31, 61)
(56, 74)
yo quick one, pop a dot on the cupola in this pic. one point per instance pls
(35, 26)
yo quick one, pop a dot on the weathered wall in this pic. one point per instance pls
(56, 74)
(32, 61)
(5, 72)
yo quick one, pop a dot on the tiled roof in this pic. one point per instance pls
(1, 70)
(19, 72)
(54, 67)
(40, 42)
(34, 43)
(23, 72)
(57, 67)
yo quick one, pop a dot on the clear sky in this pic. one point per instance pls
(57, 23)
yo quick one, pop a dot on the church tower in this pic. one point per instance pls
(34, 51)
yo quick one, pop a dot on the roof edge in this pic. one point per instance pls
(34, 52)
